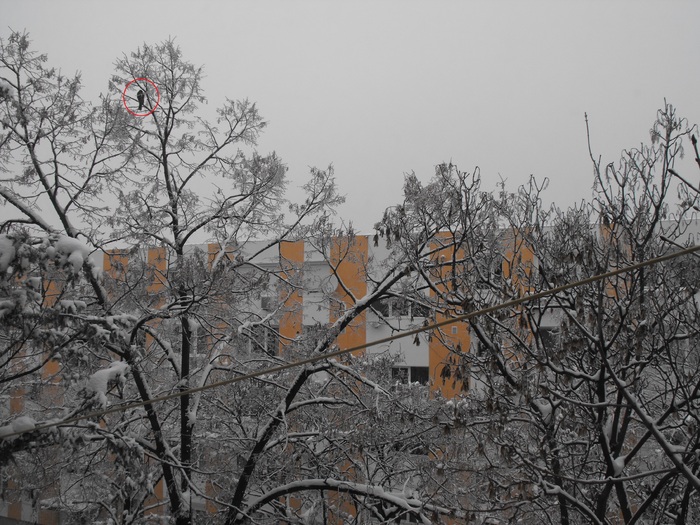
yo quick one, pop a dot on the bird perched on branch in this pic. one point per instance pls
(140, 96)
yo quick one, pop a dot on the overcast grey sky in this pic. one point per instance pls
(381, 88)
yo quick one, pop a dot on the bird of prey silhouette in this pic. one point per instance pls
(141, 96)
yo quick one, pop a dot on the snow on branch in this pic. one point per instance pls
(399, 500)
(7, 253)
(18, 426)
(318, 401)
(359, 377)
(100, 381)
(70, 251)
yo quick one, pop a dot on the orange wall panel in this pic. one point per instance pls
(157, 259)
(213, 250)
(116, 263)
(17, 400)
(157, 497)
(440, 352)
(291, 260)
(441, 347)
(350, 257)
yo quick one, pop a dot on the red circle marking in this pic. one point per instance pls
(154, 107)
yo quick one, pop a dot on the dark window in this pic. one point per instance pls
(398, 307)
(475, 347)
(337, 308)
(420, 374)
(382, 307)
(267, 303)
(419, 310)
(400, 374)
(549, 337)
(686, 352)
(497, 269)
(260, 338)
(201, 345)
(411, 374)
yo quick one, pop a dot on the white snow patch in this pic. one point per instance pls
(72, 306)
(7, 253)
(21, 424)
(618, 465)
(6, 90)
(545, 408)
(186, 500)
(320, 378)
(245, 326)
(192, 417)
(99, 381)
(678, 450)
(607, 428)
(101, 333)
(6, 306)
(72, 251)
(34, 283)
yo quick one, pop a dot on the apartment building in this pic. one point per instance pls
(324, 278)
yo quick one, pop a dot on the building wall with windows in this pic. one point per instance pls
(326, 282)
(328, 285)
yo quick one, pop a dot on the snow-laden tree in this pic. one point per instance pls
(301, 444)
(577, 408)
(584, 404)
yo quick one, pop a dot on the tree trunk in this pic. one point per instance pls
(185, 518)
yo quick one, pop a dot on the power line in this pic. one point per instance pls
(314, 359)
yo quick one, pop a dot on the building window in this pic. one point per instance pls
(267, 339)
(337, 308)
(497, 269)
(260, 339)
(201, 340)
(267, 303)
(420, 374)
(475, 346)
(419, 310)
(685, 353)
(549, 335)
(382, 307)
(399, 307)
(411, 374)
(400, 374)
